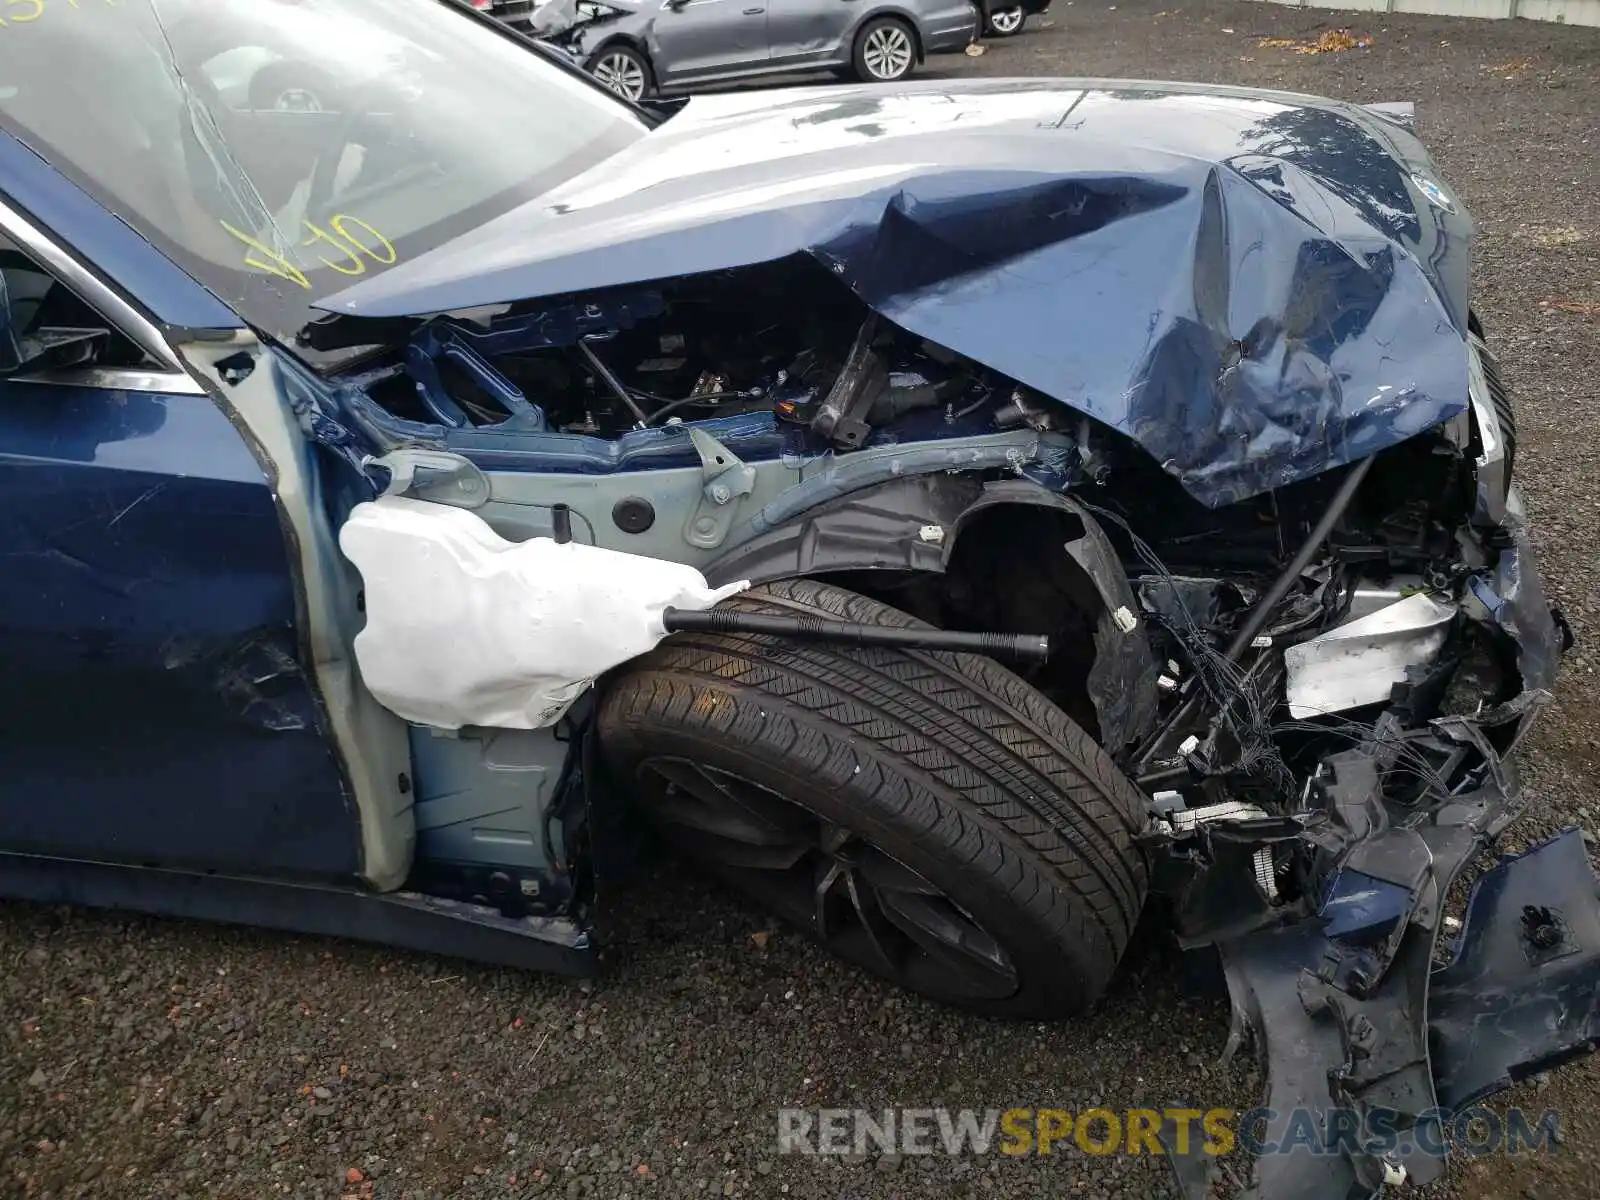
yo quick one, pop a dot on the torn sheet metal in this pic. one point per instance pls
(1367, 596)
(466, 628)
(1359, 662)
(1161, 258)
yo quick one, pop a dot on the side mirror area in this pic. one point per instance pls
(10, 352)
(49, 348)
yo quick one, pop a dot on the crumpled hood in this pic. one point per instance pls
(1255, 287)
(556, 17)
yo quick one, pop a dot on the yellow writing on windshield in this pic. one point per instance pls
(23, 12)
(347, 245)
(341, 225)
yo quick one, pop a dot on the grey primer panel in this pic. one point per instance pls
(483, 794)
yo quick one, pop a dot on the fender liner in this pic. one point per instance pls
(913, 524)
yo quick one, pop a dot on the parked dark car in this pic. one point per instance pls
(639, 47)
(999, 19)
(960, 515)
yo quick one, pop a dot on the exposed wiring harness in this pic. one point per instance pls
(1242, 702)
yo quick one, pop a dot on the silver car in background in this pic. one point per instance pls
(640, 47)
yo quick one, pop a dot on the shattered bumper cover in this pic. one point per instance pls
(1377, 1017)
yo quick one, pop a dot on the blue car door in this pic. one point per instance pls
(153, 706)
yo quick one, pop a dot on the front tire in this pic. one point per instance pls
(623, 70)
(885, 51)
(927, 816)
(1006, 22)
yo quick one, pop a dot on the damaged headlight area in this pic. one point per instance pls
(1332, 760)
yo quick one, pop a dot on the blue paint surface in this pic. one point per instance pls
(103, 239)
(155, 708)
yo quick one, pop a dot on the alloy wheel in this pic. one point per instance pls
(888, 52)
(621, 73)
(849, 894)
(1006, 21)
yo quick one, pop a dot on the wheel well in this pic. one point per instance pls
(1007, 574)
(620, 39)
(1004, 557)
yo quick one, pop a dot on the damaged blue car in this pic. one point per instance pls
(963, 516)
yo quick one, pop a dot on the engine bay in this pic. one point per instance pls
(782, 339)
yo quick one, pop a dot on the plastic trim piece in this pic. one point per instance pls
(117, 379)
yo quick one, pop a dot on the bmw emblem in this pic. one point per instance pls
(1435, 193)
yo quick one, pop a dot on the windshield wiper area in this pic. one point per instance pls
(330, 333)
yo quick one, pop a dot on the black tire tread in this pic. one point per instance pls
(989, 767)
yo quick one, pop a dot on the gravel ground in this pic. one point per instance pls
(163, 1059)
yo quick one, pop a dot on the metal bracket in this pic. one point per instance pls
(842, 417)
(434, 475)
(441, 340)
(726, 480)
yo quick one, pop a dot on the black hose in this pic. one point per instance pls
(998, 645)
(703, 398)
(1262, 612)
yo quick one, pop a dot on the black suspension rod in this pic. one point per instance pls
(1031, 646)
(1290, 575)
(1257, 619)
(613, 384)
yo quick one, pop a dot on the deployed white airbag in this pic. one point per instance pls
(466, 628)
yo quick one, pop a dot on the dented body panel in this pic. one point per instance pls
(148, 616)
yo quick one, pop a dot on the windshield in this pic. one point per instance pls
(279, 150)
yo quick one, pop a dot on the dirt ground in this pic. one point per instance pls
(162, 1059)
